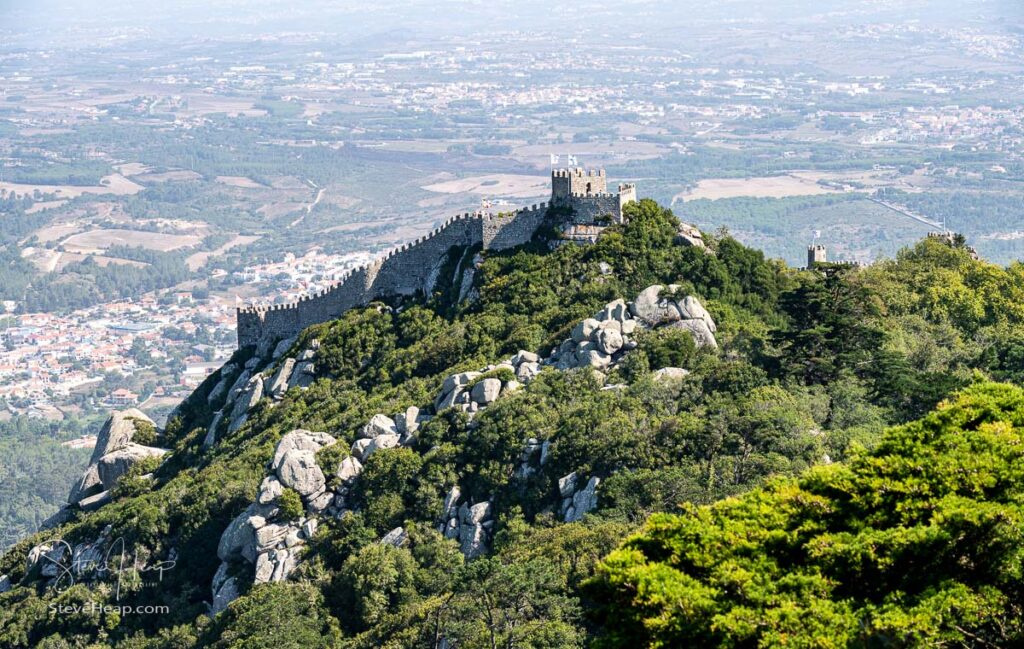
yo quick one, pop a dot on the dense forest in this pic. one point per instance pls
(843, 469)
(37, 473)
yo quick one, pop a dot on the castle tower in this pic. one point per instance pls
(815, 255)
(566, 183)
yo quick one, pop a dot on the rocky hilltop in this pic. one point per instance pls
(458, 467)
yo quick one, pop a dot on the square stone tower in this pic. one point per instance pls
(566, 183)
(815, 255)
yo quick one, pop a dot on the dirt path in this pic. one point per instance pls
(310, 206)
(52, 264)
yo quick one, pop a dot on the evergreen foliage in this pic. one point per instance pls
(813, 366)
(917, 543)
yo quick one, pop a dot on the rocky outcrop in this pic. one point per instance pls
(689, 235)
(475, 527)
(238, 536)
(668, 375)
(533, 457)
(220, 391)
(658, 305)
(305, 370)
(225, 589)
(115, 464)
(272, 548)
(396, 537)
(298, 470)
(248, 396)
(251, 386)
(113, 456)
(471, 391)
(577, 502)
(380, 425)
(702, 333)
(277, 385)
(597, 342)
(471, 525)
(299, 440)
(87, 485)
(211, 431)
(260, 536)
(118, 430)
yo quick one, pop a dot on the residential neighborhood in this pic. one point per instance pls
(149, 352)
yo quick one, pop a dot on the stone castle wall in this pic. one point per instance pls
(588, 209)
(407, 270)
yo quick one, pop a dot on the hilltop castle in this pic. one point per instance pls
(583, 199)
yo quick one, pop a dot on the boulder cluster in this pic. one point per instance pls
(112, 457)
(690, 235)
(471, 525)
(244, 387)
(471, 391)
(262, 535)
(534, 456)
(660, 306)
(383, 432)
(601, 341)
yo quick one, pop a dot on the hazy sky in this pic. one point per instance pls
(56, 22)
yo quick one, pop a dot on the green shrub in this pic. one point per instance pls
(329, 458)
(290, 504)
(133, 483)
(145, 432)
(503, 374)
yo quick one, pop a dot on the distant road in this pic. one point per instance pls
(905, 212)
(310, 206)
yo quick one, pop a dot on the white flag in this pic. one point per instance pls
(817, 234)
(554, 159)
(572, 162)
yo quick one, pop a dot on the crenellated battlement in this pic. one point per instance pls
(598, 195)
(414, 267)
(578, 172)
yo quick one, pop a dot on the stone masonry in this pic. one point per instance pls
(413, 268)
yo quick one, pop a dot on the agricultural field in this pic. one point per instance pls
(114, 184)
(95, 241)
(503, 185)
(765, 187)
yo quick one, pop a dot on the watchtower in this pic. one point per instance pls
(566, 183)
(815, 255)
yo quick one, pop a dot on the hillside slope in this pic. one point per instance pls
(548, 402)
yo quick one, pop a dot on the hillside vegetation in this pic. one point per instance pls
(832, 530)
(36, 472)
